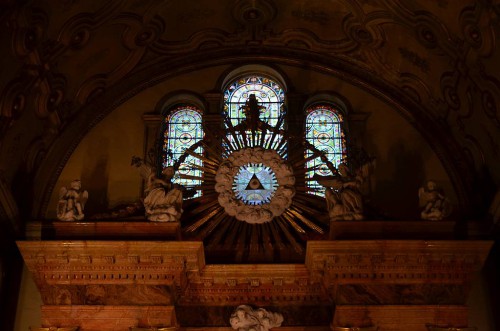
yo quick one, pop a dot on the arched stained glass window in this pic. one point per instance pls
(183, 129)
(324, 132)
(269, 94)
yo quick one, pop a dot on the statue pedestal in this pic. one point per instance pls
(366, 229)
(124, 229)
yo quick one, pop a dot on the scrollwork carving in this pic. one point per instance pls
(426, 36)
(449, 83)
(312, 15)
(260, 11)
(12, 103)
(490, 108)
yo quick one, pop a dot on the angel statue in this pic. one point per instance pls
(435, 206)
(244, 318)
(163, 201)
(72, 202)
(344, 198)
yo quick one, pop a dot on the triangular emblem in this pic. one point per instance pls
(254, 184)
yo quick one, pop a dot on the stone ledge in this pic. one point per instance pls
(133, 229)
(399, 229)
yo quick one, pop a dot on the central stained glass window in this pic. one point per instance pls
(269, 94)
(255, 184)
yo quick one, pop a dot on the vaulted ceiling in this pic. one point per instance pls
(65, 65)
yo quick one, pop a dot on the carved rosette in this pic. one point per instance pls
(279, 200)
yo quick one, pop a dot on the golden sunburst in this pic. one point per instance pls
(228, 239)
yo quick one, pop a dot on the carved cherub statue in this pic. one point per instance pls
(72, 202)
(163, 201)
(435, 206)
(245, 318)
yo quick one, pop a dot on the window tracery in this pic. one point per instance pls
(183, 130)
(269, 95)
(324, 131)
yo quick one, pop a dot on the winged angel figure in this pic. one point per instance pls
(344, 197)
(163, 201)
(72, 202)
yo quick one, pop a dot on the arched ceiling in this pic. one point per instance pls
(65, 65)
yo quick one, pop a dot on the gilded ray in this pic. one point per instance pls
(307, 222)
(289, 218)
(204, 219)
(295, 245)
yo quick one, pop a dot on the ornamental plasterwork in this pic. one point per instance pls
(348, 36)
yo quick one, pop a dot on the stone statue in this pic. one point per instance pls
(163, 201)
(245, 318)
(344, 199)
(72, 202)
(435, 206)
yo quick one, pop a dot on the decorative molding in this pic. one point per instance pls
(112, 262)
(337, 262)
(414, 59)
(330, 267)
(232, 284)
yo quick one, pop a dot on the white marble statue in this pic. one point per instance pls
(344, 199)
(163, 200)
(244, 318)
(434, 205)
(72, 202)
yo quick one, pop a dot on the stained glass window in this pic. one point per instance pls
(183, 129)
(269, 94)
(324, 132)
